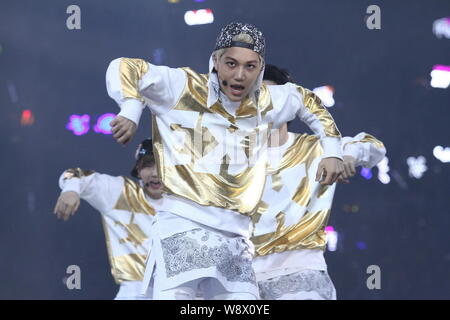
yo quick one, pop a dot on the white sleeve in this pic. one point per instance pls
(133, 83)
(367, 150)
(100, 190)
(292, 100)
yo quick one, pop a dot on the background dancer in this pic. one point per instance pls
(127, 210)
(289, 229)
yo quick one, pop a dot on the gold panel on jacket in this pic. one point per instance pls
(308, 233)
(240, 192)
(133, 199)
(370, 139)
(129, 267)
(76, 173)
(313, 103)
(305, 149)
(131, 71)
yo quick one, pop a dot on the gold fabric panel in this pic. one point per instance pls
(131, 71)
(370, 139)
(76, 173)
(130, 267)
(207, 139)
(277, 183)
(322, 190)
(315, 106)
(281, 218)
(248, 107)
(135, 235)
(262, 207)
(308, 233)
(240, 192)
(197, 86)
(133, 199)
(110, 252)
(303, 194)
(305, 149)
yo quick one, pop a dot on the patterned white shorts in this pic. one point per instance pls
(306, 284)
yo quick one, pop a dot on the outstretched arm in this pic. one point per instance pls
(99, 190)
(133, 83)
(291, 100)
(362, 150)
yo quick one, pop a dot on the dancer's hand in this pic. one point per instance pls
(329, 170)
(67, 204)
(123, 129)
(349, 169)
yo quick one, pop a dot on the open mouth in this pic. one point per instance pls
(237, 89)
(153, 184)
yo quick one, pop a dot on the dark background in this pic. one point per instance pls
(381, 80)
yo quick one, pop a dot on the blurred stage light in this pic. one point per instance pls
(12, 92)
(27, 118)
(417, 166)
(173, 1)
(441, 28)
(366, 173)
(196, 17)
(440, 77)
(383, 169)
(103, 121)
(442, 154)
(325, 94)
(332, 238)
(361, 245)
(79, 125)
(158, 56)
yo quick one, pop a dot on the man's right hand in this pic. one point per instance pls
(123, 129)
(349, 169)
(67, 204)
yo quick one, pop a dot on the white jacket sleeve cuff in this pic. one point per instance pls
(72, 184)
(132, 110)
(352, 150)
(331, 147)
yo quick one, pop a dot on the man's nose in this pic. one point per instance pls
(240, 74)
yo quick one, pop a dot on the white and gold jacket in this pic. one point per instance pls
(212, 153)
(127, 215)
(289, 227)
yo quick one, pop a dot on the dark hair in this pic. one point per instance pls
(144, 162)
(277, 75)
(145, 157)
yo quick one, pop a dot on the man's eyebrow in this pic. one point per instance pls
(234, 60)
(227, 57)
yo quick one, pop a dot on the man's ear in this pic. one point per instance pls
(216, 63)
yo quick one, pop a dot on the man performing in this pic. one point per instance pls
(289, 229)
(210, 142)
(127, 210)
